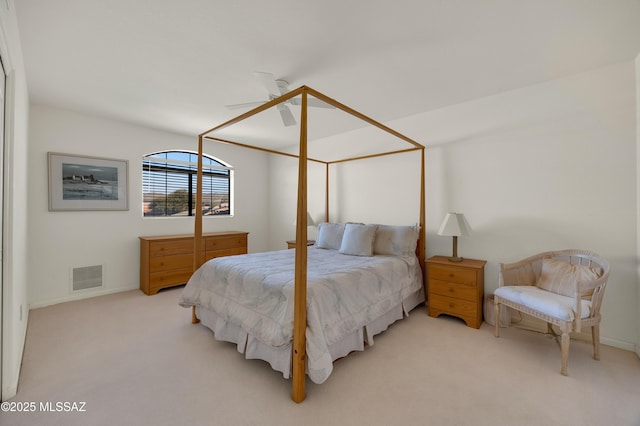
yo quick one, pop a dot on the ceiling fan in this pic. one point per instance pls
(276, 88)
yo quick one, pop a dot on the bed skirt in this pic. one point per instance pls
(280, 357)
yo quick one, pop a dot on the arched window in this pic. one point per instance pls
(169, 185)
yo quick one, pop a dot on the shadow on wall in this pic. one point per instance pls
(509, 239)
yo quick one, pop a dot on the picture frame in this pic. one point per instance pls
(78, 182)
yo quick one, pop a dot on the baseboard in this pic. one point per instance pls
(82, 295)
(627, 346)
(527, 322)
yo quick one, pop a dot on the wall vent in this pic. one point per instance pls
(86, 277)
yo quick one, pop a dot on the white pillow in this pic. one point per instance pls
(396, 240)
(558, 276)
(358, 239)
(330, 235)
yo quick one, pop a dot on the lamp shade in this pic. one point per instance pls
(310, 221)
(455, 225)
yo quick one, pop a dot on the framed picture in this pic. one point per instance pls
(77, 182)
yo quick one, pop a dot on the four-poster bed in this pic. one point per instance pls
(301, 253)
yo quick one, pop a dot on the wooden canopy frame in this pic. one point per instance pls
(300, 276)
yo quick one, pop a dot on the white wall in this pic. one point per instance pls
(64, 240)
(637, 65)
(14, 295)
(283, 196)
(545, 167)
(363, 194)
(374, 190)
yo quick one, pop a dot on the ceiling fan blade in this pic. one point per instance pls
(245, 105)
(286, 115)
(283, 86)
(269, 82)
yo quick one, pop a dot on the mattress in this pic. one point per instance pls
(248, 300)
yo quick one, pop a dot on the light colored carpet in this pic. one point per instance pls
(137, 360)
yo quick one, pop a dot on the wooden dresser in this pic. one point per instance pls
(167, 260)
(456, 288)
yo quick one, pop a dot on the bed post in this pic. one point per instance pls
(298, 352)
(326, 193)
(300, 290)
(197, 232)
(423, 223)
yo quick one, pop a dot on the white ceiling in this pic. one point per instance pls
(173, 65)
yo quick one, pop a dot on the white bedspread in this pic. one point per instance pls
(255, 292)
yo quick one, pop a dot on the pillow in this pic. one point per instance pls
(559, 277)
(396, 240)
(329, 235)
(358, 239)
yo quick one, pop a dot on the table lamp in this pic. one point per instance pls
(455, 225)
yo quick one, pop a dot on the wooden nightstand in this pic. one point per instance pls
(292, 243)
(456, 288)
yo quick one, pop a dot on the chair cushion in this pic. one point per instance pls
(558, 276)
(545, 302)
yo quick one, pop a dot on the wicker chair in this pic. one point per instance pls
(563, 288)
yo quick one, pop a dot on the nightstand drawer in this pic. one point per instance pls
(452, 306)
(453, 274)
(459, 291)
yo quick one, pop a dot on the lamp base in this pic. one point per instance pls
(455, 257)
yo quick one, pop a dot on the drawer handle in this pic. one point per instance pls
(451, 290)
(451, 305)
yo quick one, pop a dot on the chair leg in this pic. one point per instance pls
(564, 346)
(496, 318)
(595, 336)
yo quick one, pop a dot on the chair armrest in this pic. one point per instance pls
(593, 290)
(587, 288)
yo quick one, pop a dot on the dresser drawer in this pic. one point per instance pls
(171, 247)
(452, 306)
(456, 290)
(453, 274)
(163, 279)
(167, 263)
(222, 243)
(212, 254)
